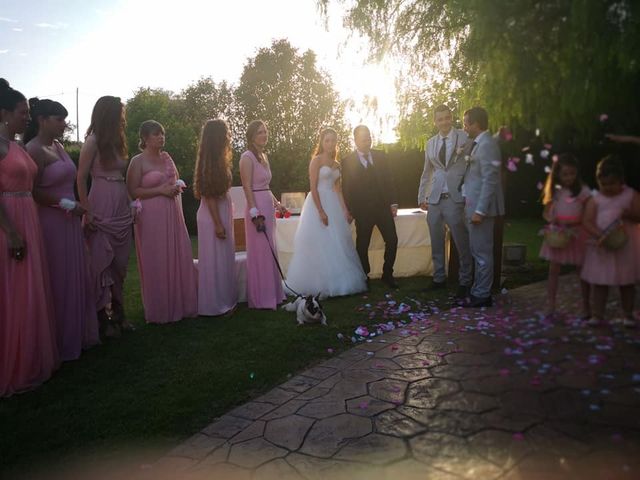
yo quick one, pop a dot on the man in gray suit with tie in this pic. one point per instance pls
(482, 189)
(444, 168)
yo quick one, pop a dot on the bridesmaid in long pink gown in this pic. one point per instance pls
(217, 288)
(165, 261)
(108, 218)
(264, 284)
(76, 320)
(28, 352)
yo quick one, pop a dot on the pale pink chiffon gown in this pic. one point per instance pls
(110, 244)
(73, 299)
(217, 288)
(165, 261)
(28, 351)
(613, 267)
(264, 284)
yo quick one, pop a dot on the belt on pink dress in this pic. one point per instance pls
(262, 190)
(15, 194)
(110, 179)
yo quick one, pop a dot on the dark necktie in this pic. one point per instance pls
(443, 152)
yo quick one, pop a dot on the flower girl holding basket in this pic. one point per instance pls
(564, 199)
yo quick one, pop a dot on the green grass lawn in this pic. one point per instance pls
(156, 386)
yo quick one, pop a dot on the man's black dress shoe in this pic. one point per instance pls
(435, 286)
(463, 292)
(390, 282)
(477, 302)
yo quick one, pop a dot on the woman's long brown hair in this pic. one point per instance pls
(252, 130)
(108, 125)
(319, 148)
(212, 175)
(553, 179)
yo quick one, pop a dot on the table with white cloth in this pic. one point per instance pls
(414, 244)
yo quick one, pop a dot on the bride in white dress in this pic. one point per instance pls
(324, 257)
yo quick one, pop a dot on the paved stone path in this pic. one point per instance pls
(497, 393)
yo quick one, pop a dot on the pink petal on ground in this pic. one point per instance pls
(518, 436)
(604, 117)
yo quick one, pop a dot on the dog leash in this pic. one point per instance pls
(275, 259)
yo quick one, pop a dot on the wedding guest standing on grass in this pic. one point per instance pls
(60, 218)
(264, 285)
(217, 288)
(108, 216)
(165, 261)
(28, 351)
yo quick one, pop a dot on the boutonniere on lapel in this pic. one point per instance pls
(459, 154)
(469, 159)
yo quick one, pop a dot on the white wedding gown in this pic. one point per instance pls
(324, 257)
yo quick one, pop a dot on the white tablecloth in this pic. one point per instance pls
(413, 258)
(414, 244)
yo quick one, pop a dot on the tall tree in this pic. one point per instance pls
(295, 98)
(538, 64)
(204, 100)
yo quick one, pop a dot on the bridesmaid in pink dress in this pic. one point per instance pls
(264, 284)
(28, 352)
(165, 261)
(217, 289)
(108, 217)
(76, 320)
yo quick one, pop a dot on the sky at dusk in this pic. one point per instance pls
(48, 48)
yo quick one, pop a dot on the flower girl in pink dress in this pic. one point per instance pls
(612, 250)
(564, 199)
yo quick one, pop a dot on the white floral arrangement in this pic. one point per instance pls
(136, 205)
(67, 205)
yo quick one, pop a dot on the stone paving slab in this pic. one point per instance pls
(460, 394)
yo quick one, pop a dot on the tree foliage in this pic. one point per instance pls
(166, 108)
(295, 98)
(552, 64)
(279, 85)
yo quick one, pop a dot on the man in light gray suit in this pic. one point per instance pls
(444, 167)
(482, 189)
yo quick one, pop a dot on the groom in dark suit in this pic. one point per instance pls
(370, 196)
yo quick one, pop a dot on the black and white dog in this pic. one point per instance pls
(308, 309)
